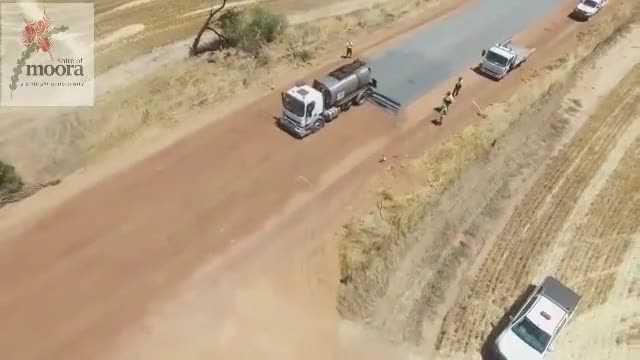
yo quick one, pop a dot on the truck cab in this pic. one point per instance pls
(501, 58)
(302, 109)
(587, 8)
(531, 333)
(497, 61)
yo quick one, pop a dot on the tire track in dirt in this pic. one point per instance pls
(533, 228)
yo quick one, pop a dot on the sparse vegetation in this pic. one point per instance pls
(10, 181)
(248, 29)
(253, 28)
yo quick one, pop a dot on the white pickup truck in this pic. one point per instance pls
(587, 8)
(503, 58)
(532, 331)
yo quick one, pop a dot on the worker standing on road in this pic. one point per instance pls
(442, 112)
(457, 87)
(448, 99)
(349, 48)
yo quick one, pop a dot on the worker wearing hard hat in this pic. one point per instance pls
(349, 48)
(457, 87)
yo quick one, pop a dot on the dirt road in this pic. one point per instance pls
(77, 278)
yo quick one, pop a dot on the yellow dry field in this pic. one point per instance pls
(579, 221)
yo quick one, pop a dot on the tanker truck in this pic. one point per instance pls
(306, 109)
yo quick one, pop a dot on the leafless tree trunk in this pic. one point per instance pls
(208, 25)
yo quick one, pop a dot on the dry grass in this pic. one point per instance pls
(589, 263)
(183, 23)
(369, 240)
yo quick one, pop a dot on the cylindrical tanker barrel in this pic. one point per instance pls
(344, 81)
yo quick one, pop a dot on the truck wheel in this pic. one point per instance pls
(318, 124)
(346, 106)
(359, 100)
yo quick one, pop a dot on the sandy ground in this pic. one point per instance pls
(162, 309)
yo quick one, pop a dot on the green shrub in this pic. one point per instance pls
(252, 28)
(10, 181)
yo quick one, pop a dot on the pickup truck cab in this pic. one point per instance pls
(587, 8)
(532, 331)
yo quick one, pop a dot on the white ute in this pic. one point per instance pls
(502, 58)
(587, 8)
(532, 331)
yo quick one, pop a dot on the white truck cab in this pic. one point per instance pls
(496, 61)
(502, 58)
(302, 107)
(531, 333)
(587, 8)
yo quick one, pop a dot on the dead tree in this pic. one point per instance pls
(209, 24)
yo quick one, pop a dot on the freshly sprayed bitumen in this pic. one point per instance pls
(412, 67)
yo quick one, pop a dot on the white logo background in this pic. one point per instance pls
(74, 47)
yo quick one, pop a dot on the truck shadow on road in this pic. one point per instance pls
(283, 130)
(574, 17)
(476, 69)
(487, 352)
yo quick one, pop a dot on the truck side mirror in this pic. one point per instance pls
(511, 318)
(550, 349)
(282, 96)
(484, 52)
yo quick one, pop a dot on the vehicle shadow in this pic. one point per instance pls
(573, 17)
(487, 352)
(477, 70)
(285, 131)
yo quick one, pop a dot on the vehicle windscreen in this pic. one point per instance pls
(532, 335)
(496, 59)
(294, 105)
(591, 3)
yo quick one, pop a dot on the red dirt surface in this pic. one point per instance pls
(75, 280)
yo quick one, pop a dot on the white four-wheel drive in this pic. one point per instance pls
(532, 331)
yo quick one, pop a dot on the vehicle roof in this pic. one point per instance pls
(347, 69)
(560, 293)
(299, 92)
(501, 51)
(546, 314)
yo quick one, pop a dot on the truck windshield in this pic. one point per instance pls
(532, 335)
(496, 59)
(294, 105)
(590, 3)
